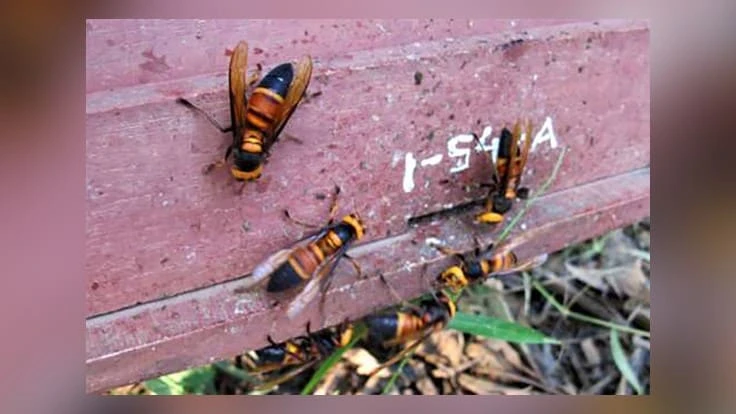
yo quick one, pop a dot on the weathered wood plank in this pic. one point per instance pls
(162, 234)
(132, 52)
(215, 322)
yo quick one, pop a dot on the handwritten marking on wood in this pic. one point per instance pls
(456, 150)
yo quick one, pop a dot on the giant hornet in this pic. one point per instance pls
(311, 259)
(258, 121)
(415, 323)
(506, 176)
(474, 268)
(301, 352)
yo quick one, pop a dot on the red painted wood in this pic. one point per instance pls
(132, 52)
(162, 234)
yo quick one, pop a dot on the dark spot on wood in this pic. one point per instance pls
(155, 64)
(245, 226)
(430, 136)
(585, 102)
(207, 168)
(294, 41)
(508, 45)
(478, 122)
(175, 315)
(546, 63)
(117, 113)
(196, 226)
(257, 50)
(591, 140)
(274, 304)
(164, 260)
(429, 113)
(332, 146)
(462, 65)
(198, 36)
(363, 165)
(95, 286)
(239, 290)
(309, 97)
(467, 102)
(580, 69)
(323, 170)
(110, 42)
(418, 76)
(228, 52)
(306, 33)
(444, 181)
(452, 117)
(320, 196)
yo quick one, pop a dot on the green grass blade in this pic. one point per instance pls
(359, 332)
(395, 376)
(622, 363)
(164, 386)
(489, 327)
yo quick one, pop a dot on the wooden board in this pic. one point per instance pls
(166, 245)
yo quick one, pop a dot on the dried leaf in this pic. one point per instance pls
(487, 361)
(426, 386)
(633, 283)
(484, 387)
(507, 351)
(591, 352)
(364, 362)
(449, 344)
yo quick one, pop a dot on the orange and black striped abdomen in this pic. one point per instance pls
(504, 154)
(300, 265)
(501, 261)
(276, 356)
(264, 108)
(386, 327)
(304, 260)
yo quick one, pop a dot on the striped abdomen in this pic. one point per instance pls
(504, 153)
(501, 262)
(303, 261)
(264, 109)
(387, 327)
(276, 356)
